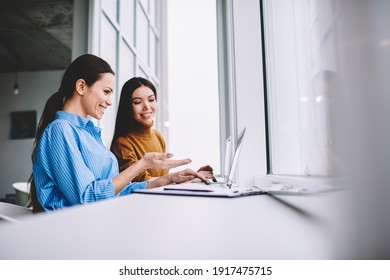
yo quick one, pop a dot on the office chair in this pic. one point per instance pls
(13, 213)
(22, 189)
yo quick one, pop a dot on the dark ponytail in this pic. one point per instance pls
(87, 67)
(53, 104)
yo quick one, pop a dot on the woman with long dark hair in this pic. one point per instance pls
(134, 135)
(71, 165)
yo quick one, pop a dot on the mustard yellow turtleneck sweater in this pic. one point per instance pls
(132, 147)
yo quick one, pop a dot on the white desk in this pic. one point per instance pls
(177, 227)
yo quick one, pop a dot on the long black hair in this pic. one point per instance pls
(88, 67)
(125, 122)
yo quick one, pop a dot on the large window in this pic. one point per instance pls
(126, 33)
(194, 125)
(173, 43)
(301, 84)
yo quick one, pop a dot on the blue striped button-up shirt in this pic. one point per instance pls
(72, 165)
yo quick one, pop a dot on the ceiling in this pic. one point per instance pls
(35, 35)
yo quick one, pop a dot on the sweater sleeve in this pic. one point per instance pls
(126, 156)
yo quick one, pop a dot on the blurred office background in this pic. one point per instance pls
(309, 80)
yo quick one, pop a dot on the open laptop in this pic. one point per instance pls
(230, 165)
(221, 188)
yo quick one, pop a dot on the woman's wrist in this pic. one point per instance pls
(126, 176)
(141, 164)
(160, 181)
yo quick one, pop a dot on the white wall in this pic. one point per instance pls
(34, 89)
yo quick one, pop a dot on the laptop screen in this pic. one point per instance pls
(227, 165)
(235, 157)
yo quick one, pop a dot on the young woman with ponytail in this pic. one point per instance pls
(71, 165)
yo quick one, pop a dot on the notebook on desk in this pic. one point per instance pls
(200, 189)
(221, 188)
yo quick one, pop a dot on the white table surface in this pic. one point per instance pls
(142, 226)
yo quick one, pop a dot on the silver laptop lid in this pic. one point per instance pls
(236, 156)
(228, 153)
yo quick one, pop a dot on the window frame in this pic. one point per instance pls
(156, 27)
(268, 180)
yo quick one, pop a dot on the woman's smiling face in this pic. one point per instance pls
(144, 105)
(97, 98)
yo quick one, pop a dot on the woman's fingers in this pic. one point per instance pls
(189, 172)
(162, 161)
(196, 180)
(208, 175)
(168, 164)
(167, 155)
(206, 168)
